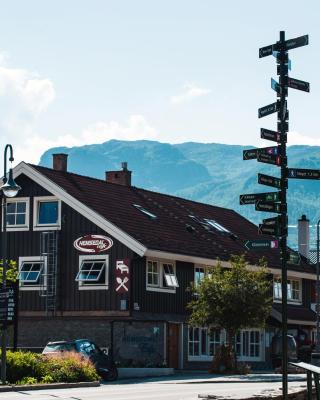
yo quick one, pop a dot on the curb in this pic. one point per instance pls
(241, 381)
(18, 388)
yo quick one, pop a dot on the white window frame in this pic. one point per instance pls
(160, 287)
(205, 268)
(25, 226)
(42, 285)
(45, 227)
(290, 300)
(261, 345)
(93, 286)
(204, 357)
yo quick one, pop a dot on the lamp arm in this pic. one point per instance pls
(8, 146)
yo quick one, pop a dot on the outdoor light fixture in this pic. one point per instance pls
(9, 189)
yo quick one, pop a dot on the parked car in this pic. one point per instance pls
(276, 350)
(103, 363)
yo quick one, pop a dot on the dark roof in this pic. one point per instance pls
(297, 313)
(170, 231)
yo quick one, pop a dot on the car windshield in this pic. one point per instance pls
(53, 347)
(88, 348)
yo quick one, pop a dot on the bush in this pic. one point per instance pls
(29, 368)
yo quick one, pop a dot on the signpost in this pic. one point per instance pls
(268, 180)
(254, 197)
(262, 244)
(7, 305)
(277, 226)
(299, 173)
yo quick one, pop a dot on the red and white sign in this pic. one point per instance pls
(122, 276)
(93, 243)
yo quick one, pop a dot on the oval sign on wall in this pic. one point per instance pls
(93, 243)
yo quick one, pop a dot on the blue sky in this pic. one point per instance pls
(80, 72)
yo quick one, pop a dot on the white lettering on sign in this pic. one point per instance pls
(93, 243)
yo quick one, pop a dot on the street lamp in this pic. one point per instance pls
(9, 188)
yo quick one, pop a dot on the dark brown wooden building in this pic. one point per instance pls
(111, 262)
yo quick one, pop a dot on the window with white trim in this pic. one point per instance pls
(32, 273)
(294, 292)
(203, 343)
(161, 276)
(200, 271)
(93, 272)
(249, 344)
(46, 213)
(17, 214)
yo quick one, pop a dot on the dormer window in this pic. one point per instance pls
(144, 211)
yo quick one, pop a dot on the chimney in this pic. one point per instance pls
(303, 236)
(60, 162)
(120, 177)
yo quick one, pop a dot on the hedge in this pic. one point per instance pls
(29, 368)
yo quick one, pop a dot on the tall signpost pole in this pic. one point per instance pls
(283, 125)
(276, 202)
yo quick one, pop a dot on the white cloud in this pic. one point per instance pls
(190, 92)
(296, 138)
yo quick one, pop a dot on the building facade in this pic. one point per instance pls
(111, 262)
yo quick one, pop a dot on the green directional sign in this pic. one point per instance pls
(268, 180)
(253, 197)
(262, 244)
(294, 257)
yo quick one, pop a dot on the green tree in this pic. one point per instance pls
(232, 299)
(12, 272)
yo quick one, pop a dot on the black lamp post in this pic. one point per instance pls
(9, 188)
(318, 293)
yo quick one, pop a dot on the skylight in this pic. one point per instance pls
(216, 225)
(144, 211)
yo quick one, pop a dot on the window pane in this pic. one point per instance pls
(11, 208)
(21, 207)
(203, 341)
(11, 219)
(21, 219)
(48, 212)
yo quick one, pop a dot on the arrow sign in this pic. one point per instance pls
(268, 180)
(294, 257)
(269, 230)
(250, 154)
(266, 51)
(261, 244)
(267, 110)
(299, 85)
(254, 197)
(270, 135)
(269, 159)
(299, 173)
(297, 42)
(268, 206)
(272, 221)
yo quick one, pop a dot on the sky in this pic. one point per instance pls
(81, 72)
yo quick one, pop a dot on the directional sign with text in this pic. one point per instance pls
(294, 257)
(269, 230)
(297, 42)
(299, 173)
(252, 198)
(272, 221)
(268, 206)
(250, 154)
(271, 135)
(266, 51)
(269, 159)
(262, 244)
(268, 180)
(267, 110)
(299, 85)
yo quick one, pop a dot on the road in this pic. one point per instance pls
(153, 390)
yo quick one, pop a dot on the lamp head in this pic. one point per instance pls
(10, 188)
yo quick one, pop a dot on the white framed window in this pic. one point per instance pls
(93, 272)
(32, 273)
(294, 291)
(161, 276)
(203, 343)
(18, 210)
(249, 345)
(46, 213)
(200, 271)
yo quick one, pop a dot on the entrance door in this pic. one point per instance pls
(173, 345)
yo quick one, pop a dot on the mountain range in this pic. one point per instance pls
(206, 172)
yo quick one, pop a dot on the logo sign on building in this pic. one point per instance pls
(122, 276)
(93, 243)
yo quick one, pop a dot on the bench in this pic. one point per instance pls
(310, 369)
